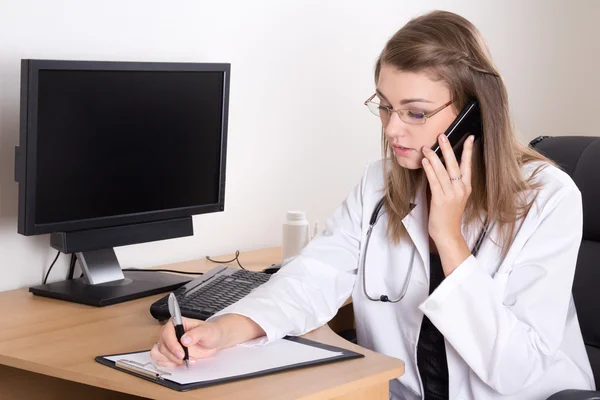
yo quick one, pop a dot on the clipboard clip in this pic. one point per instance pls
(149, 369)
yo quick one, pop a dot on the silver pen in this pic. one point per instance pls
(178, 323)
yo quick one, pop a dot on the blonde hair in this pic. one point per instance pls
(450, 49)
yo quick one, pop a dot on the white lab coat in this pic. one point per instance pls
(510, 324)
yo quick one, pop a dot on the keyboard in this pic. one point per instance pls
(213, 291)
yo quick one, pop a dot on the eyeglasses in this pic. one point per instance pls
(408, 116)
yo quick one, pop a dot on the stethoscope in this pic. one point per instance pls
(372, 221)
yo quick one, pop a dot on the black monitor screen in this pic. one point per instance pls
(111, 143)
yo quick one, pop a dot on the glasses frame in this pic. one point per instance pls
(426, 116)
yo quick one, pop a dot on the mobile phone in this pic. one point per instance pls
(468, 122)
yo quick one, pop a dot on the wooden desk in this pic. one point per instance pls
(43, 339)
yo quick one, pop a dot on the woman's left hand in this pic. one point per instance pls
(450, 188)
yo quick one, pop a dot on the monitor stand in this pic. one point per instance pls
(104, 283)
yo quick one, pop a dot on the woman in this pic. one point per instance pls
(467, 272)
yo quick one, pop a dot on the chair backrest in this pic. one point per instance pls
(579, 156)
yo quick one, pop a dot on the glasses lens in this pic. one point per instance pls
(378, 110)
(412, 117)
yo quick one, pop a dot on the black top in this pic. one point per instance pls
(431, 350)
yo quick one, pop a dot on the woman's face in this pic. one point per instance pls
(415, 94)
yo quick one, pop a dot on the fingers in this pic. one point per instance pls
(434, 183)
(449, 157)
(169, 347)
(164, 358)
(161, 359)
(201, 339)
(436, 169)
(466, 161)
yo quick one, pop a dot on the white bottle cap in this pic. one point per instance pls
(296, 215)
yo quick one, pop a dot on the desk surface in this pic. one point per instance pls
(61, 339)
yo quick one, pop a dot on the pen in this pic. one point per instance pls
(126, 364)
(178, 323)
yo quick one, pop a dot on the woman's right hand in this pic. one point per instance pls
(203, 340)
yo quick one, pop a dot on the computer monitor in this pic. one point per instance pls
(118, 153)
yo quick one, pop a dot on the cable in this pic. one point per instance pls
(162, 270)
(72, 266)
(50, 269)
(237, 255)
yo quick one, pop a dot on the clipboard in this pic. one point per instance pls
(165, 376)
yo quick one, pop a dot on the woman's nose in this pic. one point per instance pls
(395, 126)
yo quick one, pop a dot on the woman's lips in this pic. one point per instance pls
(402, 151)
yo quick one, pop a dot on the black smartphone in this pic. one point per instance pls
(468, 122)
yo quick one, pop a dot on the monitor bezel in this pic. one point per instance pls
(26, 163)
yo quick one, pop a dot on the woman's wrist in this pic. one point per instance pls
(236, 328)
(453, 251)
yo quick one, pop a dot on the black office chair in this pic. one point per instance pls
(579, 156)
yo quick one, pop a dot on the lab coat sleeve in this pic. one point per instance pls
(508, 338)
(308, 291)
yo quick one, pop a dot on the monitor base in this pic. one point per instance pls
(135, 285)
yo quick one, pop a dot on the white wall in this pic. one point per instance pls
(299, 136)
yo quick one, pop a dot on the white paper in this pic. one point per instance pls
(236, 361)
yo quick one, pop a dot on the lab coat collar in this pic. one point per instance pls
(416, 223)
